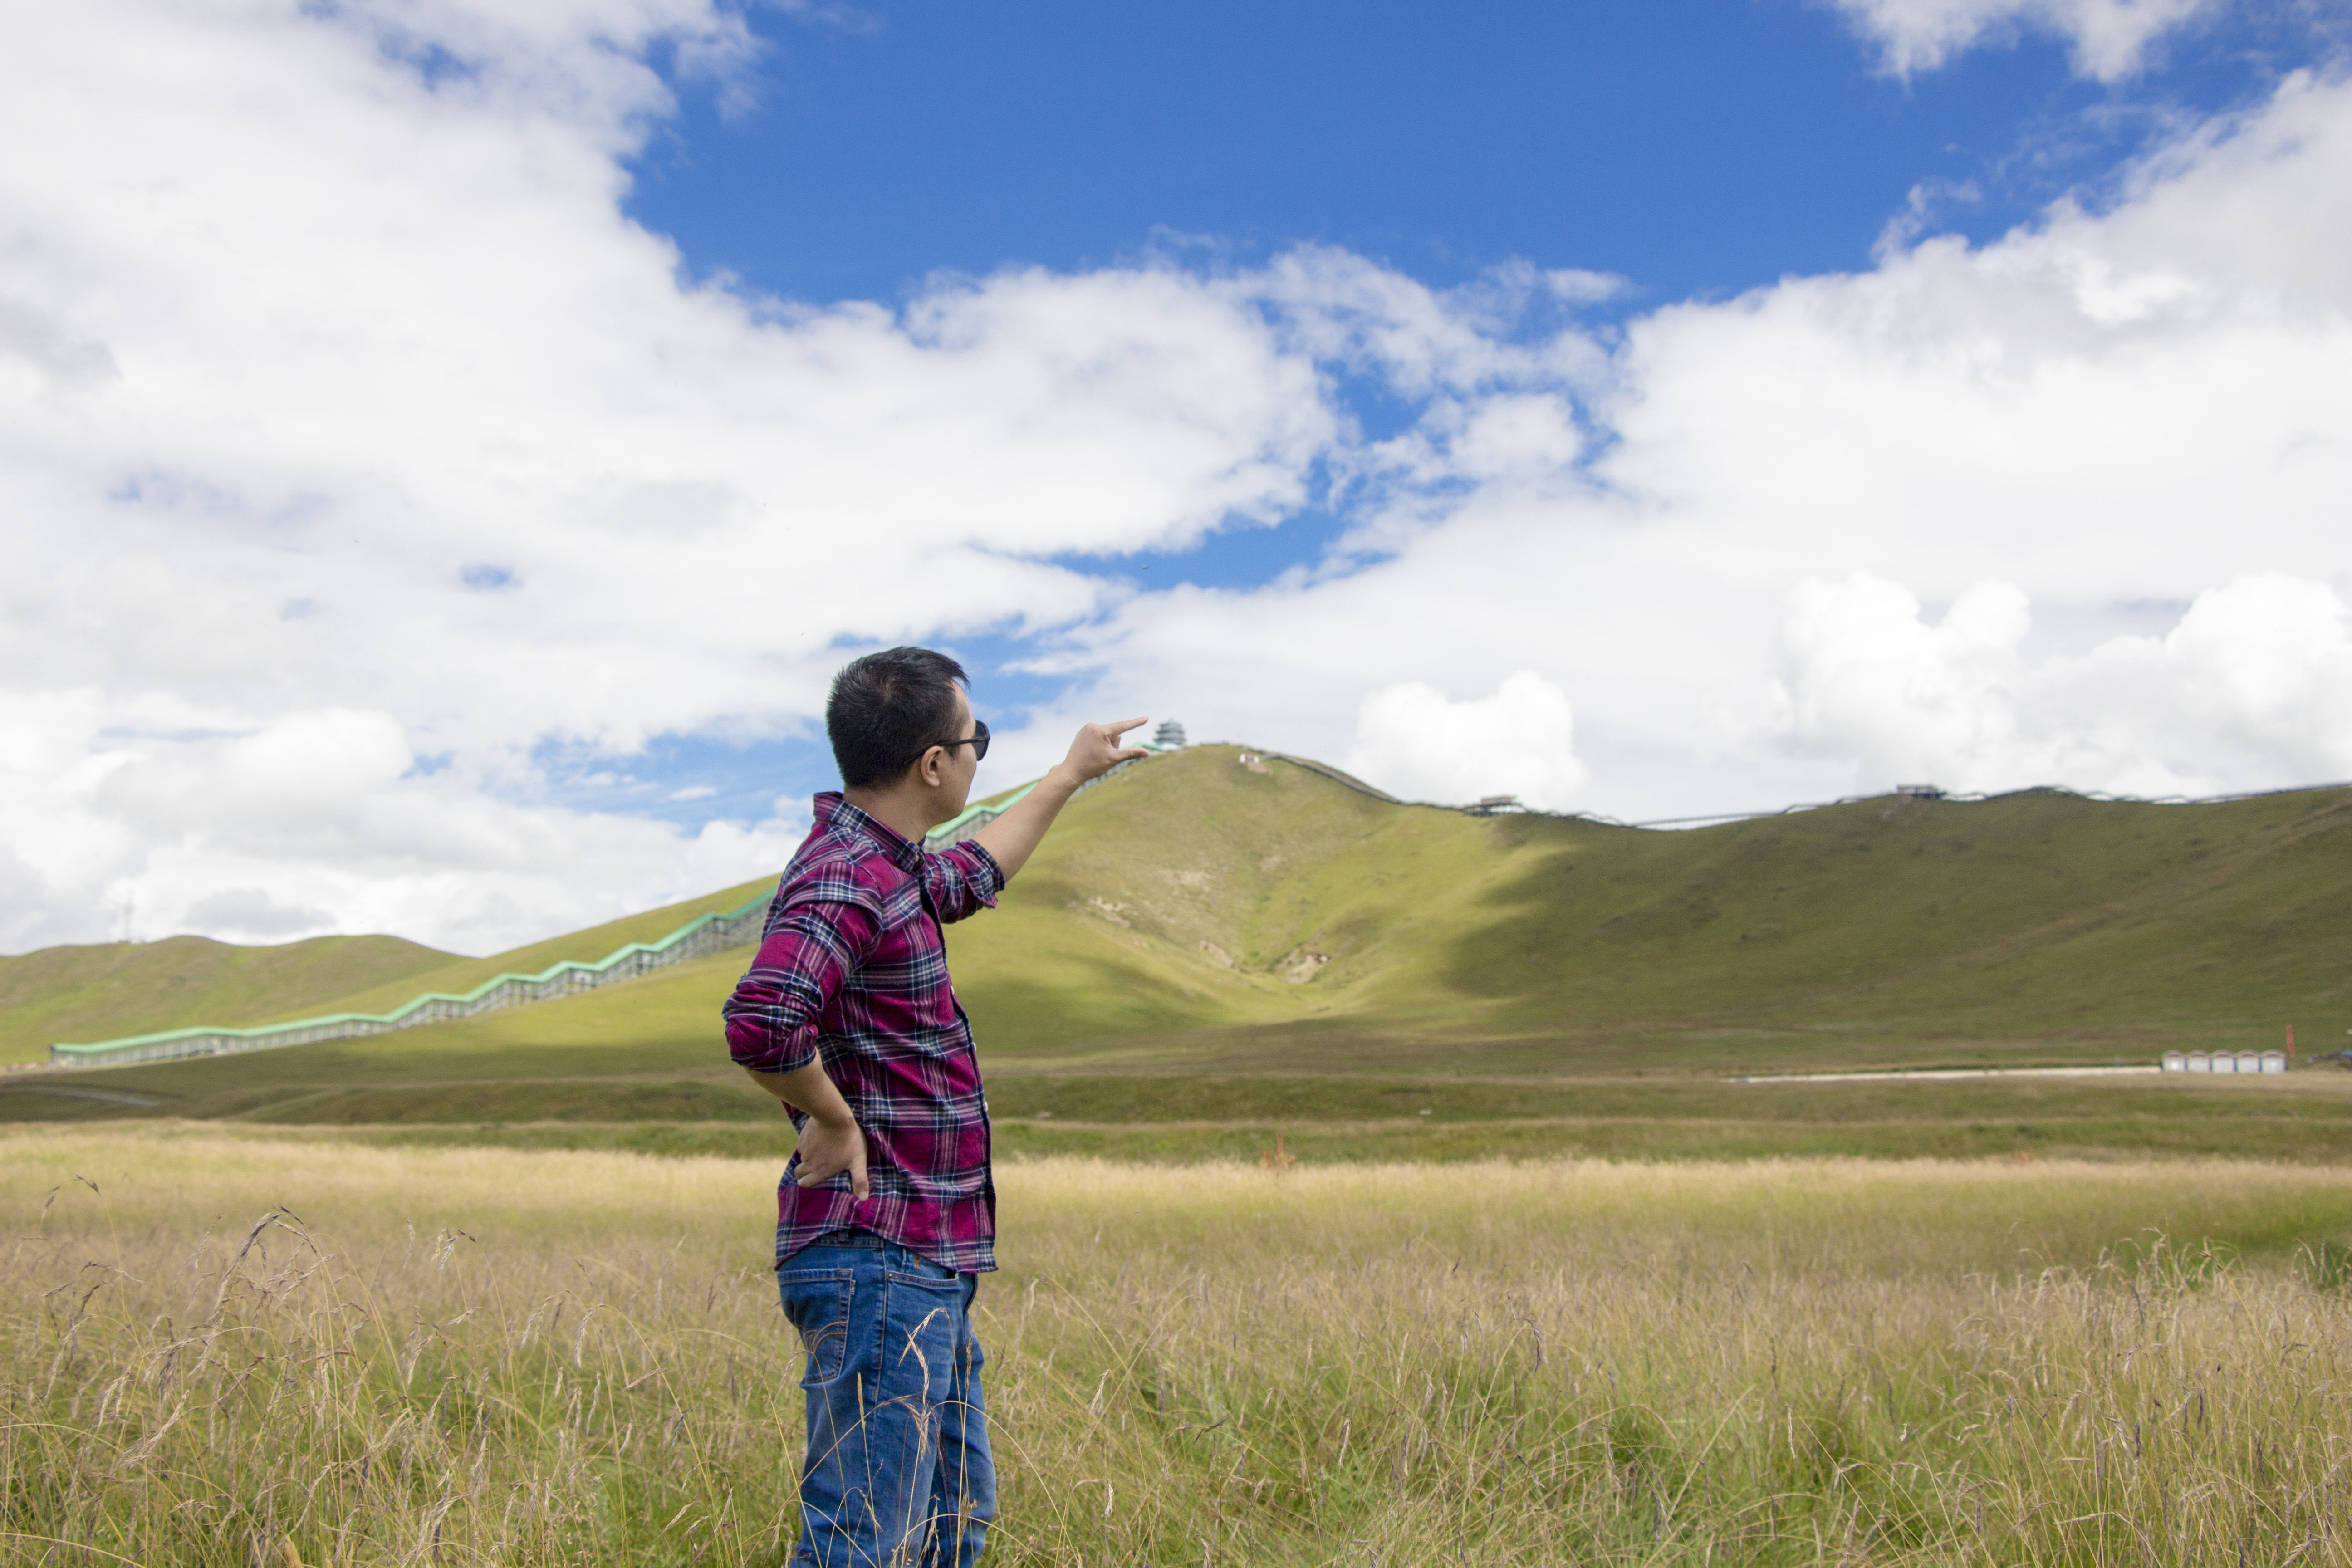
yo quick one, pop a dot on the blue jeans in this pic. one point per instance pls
(897, 1473)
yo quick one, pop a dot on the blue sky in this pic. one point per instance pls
(1697, 148)
(456, 440)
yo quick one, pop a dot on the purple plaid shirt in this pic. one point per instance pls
(853, 970)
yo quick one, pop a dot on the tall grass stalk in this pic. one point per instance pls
(223, 1351)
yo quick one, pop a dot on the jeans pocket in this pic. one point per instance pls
(819, 1306)
(924, 1272)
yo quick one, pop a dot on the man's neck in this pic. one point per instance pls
(901, 811)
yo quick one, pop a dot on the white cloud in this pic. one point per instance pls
(2110, 39)
(1413, 740)
(1868, 680)
(2259, 671)
(250, 915)
(311, 824)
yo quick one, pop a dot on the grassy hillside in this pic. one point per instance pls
(1200, 909)
(1201, 893)
(108, 990)
(98, 993)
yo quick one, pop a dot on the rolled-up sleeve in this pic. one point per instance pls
(773, 1019)
(962, 880)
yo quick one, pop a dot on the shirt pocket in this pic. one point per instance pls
(819, 1304)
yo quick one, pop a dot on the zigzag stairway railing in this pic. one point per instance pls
(699, 937)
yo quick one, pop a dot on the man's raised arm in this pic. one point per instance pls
(1012, 837)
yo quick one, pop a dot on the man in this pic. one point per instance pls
(886, 1214)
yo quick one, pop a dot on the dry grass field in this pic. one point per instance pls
(237, 1350)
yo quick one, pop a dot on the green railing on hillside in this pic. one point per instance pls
(699, 937)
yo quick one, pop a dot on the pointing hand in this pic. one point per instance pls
(1097, 750)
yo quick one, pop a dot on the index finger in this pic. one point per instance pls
(1123, 726)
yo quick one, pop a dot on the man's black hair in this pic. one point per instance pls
(888, 709)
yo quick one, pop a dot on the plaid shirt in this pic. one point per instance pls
(852, 971)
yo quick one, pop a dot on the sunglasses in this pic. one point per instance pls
(977, 740)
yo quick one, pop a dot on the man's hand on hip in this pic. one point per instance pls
(831, 1140)
(829, 1148)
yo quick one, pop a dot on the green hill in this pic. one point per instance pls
(1195, 893)
(1204, 950)
(106, 991)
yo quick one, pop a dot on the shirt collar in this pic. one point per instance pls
(834, 811)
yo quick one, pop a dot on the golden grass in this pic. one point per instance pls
(243, 1353)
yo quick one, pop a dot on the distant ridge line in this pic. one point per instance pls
(1358, 785)
(1350, 780)
(704, 934)
(1963, 797)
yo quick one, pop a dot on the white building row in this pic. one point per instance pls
(2225, 1061)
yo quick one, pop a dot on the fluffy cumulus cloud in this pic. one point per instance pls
(1521, 742)
(2110, 39)
(2256, 676)
(161, 817)
(357, 455)
(1868, 679)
